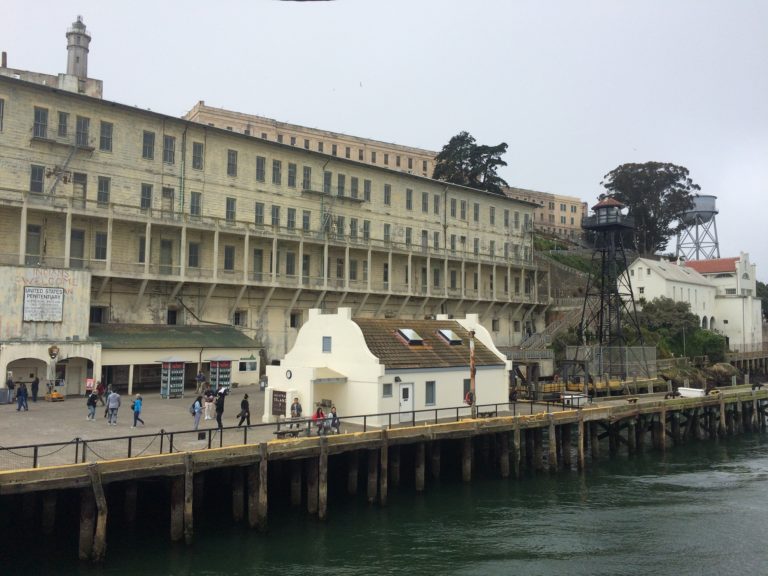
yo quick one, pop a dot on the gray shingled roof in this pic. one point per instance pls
(117, 336)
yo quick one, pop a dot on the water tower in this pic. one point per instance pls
(697, 239)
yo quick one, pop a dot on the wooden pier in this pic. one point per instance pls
(298, 469)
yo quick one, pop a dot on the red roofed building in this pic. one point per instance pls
(718, 265)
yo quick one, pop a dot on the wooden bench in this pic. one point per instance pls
(486, 414)
(632, 400)
(288, 433)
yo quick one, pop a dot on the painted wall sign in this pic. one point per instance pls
(43, 304)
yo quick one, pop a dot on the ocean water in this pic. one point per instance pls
(699, 509)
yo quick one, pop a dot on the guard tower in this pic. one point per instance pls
(697, 240)
(609, 291)
(78, 41)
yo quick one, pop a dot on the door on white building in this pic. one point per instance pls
(406, 402)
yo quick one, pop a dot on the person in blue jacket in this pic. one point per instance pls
(136, 407)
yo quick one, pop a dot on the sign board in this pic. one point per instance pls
(43, 304)
(89, 384)
(278, 403)
(172, 380)
(221, 373)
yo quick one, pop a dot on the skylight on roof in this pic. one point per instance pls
(449, 336)
(411, 336)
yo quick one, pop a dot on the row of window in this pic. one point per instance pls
(334, 149)
(82, 129)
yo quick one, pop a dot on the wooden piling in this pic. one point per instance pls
(594, 441)
(49, 512)
(353, 470)
(503, 441)
(466, 460)
(296, 482)
(312, 494)
(198, 490)
(516, 448)
(663, 429)
(418, 466)
(373, 474)
(383, 468)
(754, 425)
(261, 510)
(675, 425)
(129, 504)
(739, 418)
(394, 466)
(177, 508)
(322, 498)
(565, 450)
(99, 548)
(435, 449)
(640, 432)
(87, 523)
(252, 481)
(238, 493)
(189, 498)
(722, 429)
(580, 442)
(631, 437)
(552, 445)
(529, 449)
(538, 449)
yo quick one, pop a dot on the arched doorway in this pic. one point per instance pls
(704, 322)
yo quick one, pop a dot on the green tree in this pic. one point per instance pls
(675, 330)
(463, 161)
(762, 293)
(657, 195)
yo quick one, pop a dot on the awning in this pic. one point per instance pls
(325, 375)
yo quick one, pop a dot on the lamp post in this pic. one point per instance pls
(472, 373)
(53, 352)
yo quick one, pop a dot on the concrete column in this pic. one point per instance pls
(130, 379)
(68, 234)
(23, 233)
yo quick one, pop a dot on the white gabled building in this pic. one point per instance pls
(721, 293)
(374, 366)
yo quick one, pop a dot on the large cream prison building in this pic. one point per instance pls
(554, 213)
(178, 223)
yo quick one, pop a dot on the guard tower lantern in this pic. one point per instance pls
(608, 297)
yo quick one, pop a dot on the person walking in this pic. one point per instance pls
(245, 412)
(136, 407)
(209, 399)
(113, 405)
(200, 379)
(220, 407)
(21, 397)
(10, 385)
(295, 412)
(335, 423)
(91, 404)
(197, 410)
(100, 389)
(35, 388)
(318, 418)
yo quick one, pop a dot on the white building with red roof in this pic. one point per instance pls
(721, 293)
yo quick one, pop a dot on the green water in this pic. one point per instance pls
(699, 510)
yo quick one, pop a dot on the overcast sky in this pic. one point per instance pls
(575, 87)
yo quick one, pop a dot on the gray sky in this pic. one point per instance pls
(575, 87)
